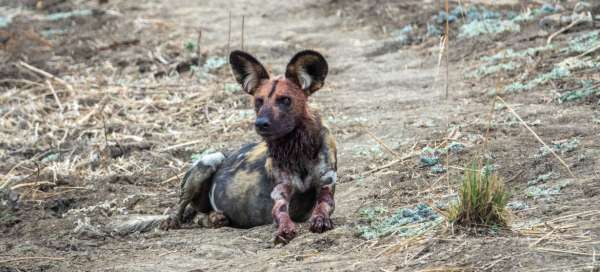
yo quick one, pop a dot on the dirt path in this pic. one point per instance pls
(373, 90)
(393, 89)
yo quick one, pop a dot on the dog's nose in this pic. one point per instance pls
(262, 123)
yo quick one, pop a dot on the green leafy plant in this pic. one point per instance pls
(482, 200)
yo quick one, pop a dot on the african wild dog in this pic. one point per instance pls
(288, 177)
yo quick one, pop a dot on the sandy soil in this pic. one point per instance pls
(374, 88)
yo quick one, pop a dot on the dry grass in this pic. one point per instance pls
(67, 134)
(482, 200)
(106, 129)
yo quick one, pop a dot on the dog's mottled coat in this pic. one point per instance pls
(288, 177)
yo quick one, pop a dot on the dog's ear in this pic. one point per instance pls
(308, 70)
(248, 71)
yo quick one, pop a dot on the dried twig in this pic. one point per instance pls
(34, 158)
(536, 136)
(198, 51)
(575, 215)
(589, 51)
(416, 240)
(32, 258)
(392, 163)
(93, 112)
(176, 177)
(243, 18)
(488, 129)
(180, 145)
(447, 46)
(515, 176)
(492, 264)
(32, 184)
(552, 250)
(118, 44)
(542, 238)
(382, 144)
(571, 25)
(46, 74)
(447, 37)
(229, 34)
(60, 106)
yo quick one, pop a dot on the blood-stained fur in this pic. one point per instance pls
(288, 177)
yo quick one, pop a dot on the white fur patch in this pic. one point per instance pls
(213, 160)
(211, 197)
(299, 184)
(305, 79)
(251, 81)
(329, 178)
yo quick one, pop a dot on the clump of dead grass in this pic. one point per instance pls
(482, 200)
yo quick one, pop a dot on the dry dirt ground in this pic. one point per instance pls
(134, 103)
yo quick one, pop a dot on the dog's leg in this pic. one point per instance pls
(194, 189)
(281, 195)
(320, 220)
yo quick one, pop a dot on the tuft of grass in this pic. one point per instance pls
(482, 200)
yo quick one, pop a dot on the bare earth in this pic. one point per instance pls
(372, 93)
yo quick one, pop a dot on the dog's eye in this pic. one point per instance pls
(258, 102)
(284, 101)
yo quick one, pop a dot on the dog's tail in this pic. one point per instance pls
(135, 224)
(192, 183)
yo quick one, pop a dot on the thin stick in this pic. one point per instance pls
(382, 144)
(492, 264)
(243, 18)
(400, 160)
(73, 188)
(198, 43)
(515, 176)
(46, 74)
(431, 188)
(536, 136)
(172, 178)
(32, 184)
(37, 156)
(415, 240)
(49, 195)
(447, 34)
(563, 251)
(60, 106)
(229, 35)
(581, 214)
(447, 47)
(571, 25)
(487, 131)
(99, 107)
(32, 258)
(542, 238)
(181, 145)
(105, 130)
(589, 51)
(442, 47)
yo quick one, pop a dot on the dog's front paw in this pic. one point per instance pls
(217, 220)
(285, 233)
(169, 223)
(320, 223)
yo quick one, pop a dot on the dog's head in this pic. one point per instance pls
(281, 102)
